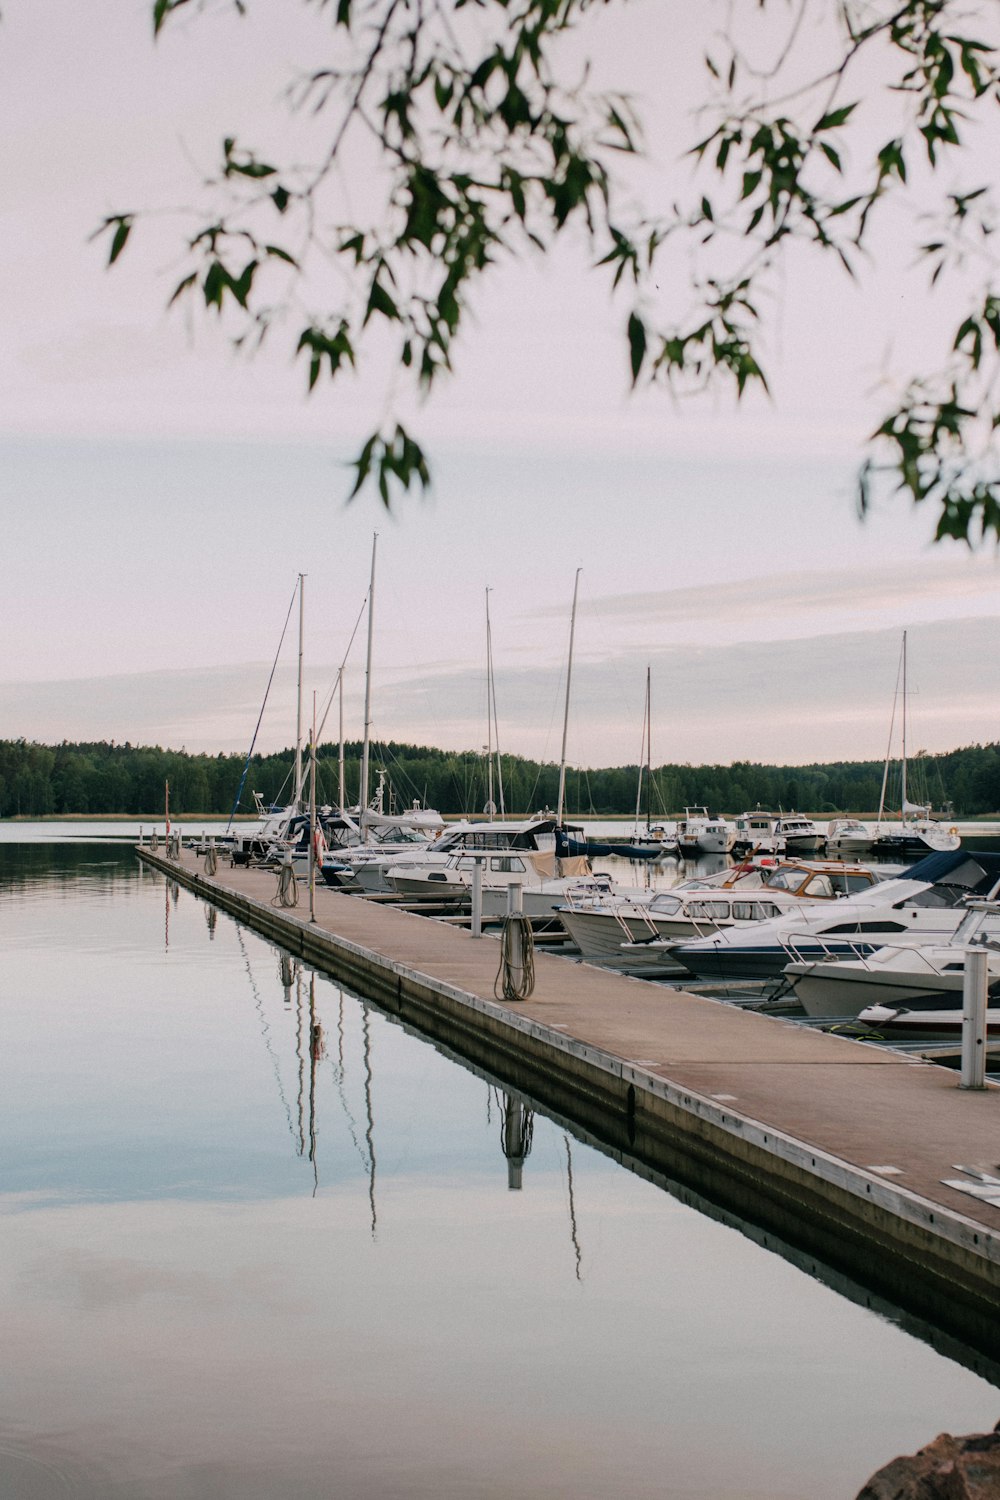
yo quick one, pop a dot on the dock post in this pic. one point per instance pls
(477, 897)
(974, 989)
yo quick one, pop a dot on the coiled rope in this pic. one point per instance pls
(287, 893)
(516, 974)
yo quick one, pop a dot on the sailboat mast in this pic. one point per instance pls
(902, 808)
(363, 801)
(490, 807)
(298, 710)
(649, 753)
(569, 674)
(340, 756)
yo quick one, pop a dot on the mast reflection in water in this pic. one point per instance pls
(207, 1288)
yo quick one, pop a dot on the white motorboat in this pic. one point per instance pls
(699, 833)
(847, 836)
(798, 835)
(926, 904)
(757, 833)
(922, 976)
(600, 923)
(528, 838)
(543, 885)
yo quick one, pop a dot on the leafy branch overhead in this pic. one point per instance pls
(478, 138)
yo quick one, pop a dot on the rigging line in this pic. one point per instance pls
(265, 1030)
(260, 716)
(888, 749)
(340, 671)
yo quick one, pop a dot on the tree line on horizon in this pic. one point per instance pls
(103, 779)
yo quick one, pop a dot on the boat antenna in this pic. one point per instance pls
(569, 675)
(260, 716)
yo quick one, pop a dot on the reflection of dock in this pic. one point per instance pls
(847, 1151)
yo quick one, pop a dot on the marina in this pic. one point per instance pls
(869, 1158)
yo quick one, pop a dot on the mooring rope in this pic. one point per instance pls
(287, 893)
(517, 959)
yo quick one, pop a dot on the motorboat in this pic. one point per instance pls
(920, 977)
(798, 835)
(757, 832)
(528, 838)
(601, 922)
(926, 904)
(699, 833)
(848, 836)
(544, 885)
(911, 1023)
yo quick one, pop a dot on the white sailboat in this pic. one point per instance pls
(918, 833)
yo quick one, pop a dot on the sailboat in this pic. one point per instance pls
(918, 833)
(649, 842)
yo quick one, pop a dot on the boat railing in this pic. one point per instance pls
(831, 951)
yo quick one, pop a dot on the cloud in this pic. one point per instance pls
(939, 579)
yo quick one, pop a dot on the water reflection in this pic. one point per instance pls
(260, 1240)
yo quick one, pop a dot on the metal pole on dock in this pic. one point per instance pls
(477, 897)
(974, 991)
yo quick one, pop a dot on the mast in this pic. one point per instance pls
(340, 757)
(490, 804)
(902, 809)
(569, 674)
(298, 711)
(363, 800)
(642, 748)
(649, 752)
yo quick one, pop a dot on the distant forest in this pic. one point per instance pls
(99, 780)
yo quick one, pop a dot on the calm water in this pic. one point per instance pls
(258, 1241)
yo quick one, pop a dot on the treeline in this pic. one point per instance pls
(99, 780)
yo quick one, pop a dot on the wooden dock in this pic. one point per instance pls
(873, 1161)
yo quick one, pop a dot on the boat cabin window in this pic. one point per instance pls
(714, 911)
(754, 911)
(664, 904)
(866, 927)
(506, 864)
(819, 886)
(846, 885)
(784, 880)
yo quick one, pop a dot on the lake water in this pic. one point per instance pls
(260, 1241)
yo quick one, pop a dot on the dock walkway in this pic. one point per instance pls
(849, 1151)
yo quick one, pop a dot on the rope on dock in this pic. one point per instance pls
(517, 959)
(287, 893)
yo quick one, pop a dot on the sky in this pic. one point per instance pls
(160, 495)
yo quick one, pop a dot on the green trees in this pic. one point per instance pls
(479, 137)
(97, 780)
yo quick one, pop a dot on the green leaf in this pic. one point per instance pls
(835, 118)
(636, 344)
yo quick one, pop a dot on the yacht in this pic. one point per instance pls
(927, 977)
(698, 833)
(848, 836)
(420, 873)
(600, 922)
(799, 835)
(925, 904)
(757, 832)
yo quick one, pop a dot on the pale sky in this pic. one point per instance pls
(159, 496)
